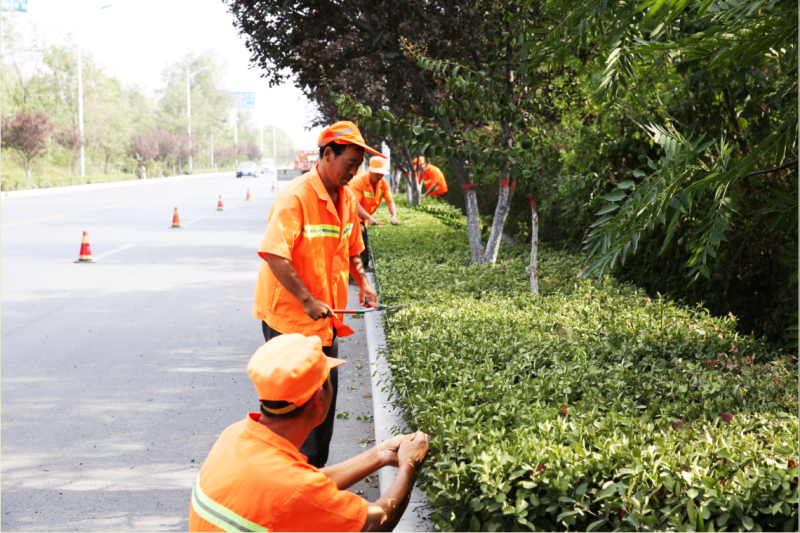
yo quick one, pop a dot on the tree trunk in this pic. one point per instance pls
(499, 222)
(473, 215)
(396, 182)
(532, 269)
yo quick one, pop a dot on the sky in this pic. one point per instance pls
(136, 39)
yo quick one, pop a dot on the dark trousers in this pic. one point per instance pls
(365, 253)
(318, 443)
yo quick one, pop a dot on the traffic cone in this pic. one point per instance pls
(85, 255)
(248, 195)
(176, 222)
(273, 186)
(219, 205)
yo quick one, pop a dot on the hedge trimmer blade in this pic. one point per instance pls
(374, 307)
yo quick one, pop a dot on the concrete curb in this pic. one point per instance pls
(388, 416)
(8, 195)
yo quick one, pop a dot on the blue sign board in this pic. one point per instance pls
(14, 5)
(244, 100)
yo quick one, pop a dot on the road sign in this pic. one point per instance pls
(244, 100)
(14, 5)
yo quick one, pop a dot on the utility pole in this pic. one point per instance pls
(80, 107)
(212, 150)
(236, 136)
(80, 98)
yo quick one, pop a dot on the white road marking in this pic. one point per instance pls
(184, 224)
(115, 250)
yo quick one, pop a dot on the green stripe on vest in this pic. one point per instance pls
(218, 515)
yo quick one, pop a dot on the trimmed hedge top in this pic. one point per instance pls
(592, 407)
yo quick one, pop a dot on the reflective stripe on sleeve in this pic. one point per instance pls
(214, 513)
(369, 194)
(321, 230)
(348, 228)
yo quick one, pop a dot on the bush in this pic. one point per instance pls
(592, 407)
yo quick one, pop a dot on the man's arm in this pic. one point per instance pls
(384, 514)
(392, 211)
(366, 216)
(284, 271)
(348, 473)
(357, 271)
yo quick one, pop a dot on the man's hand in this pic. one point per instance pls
(394, 220)
(367, 292)
(374, 221)
(388, 450)
(413, 450)
(316, 309)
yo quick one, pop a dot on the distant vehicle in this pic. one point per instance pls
(247, 168)
(306, 160)
(289, 173)
(267, 165)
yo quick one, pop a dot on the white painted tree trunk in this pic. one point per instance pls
(499, 222)
(532, 269)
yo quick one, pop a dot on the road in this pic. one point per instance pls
(118, 376)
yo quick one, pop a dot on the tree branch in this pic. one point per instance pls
(785, 165)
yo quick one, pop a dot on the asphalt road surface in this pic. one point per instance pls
(118, 376)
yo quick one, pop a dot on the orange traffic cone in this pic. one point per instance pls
(85, 255)
(176, 221)
(273, 186)
(248, 195)
(219, 205)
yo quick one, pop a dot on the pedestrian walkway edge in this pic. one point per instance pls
(387, 416)
(26, 193)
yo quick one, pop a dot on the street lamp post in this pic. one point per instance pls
(80, 98)
(189, 108)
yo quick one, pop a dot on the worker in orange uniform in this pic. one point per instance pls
(432, 177)
(370, 188)
(311, 246)
(256, 479)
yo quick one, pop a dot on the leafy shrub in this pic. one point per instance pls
(592, 407)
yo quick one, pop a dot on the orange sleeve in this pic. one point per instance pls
(284, 228)
(357, 187)
(319, 505)
(387, 191)
(356, 240)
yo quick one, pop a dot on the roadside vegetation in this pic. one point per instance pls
(660, 135)
(590, 407)
(126, 129)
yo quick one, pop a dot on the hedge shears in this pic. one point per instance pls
(372, 306)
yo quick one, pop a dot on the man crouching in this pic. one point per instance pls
(256, 479)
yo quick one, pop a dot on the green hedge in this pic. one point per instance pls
(592, 407)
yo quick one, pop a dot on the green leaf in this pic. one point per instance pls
(607, 209)
(474, 524)
(626, 184)
(595, 525)
(615, 196)
(747, 522)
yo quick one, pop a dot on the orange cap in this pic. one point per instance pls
(379, 165)
(290, 368)
(344, 132)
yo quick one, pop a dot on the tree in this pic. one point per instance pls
(70, 138)
(144, 146)
(356, 47)
(27, 132)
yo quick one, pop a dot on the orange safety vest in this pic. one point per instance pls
(434, 180)
(368, 196)
(255, 480)
(306, 228)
